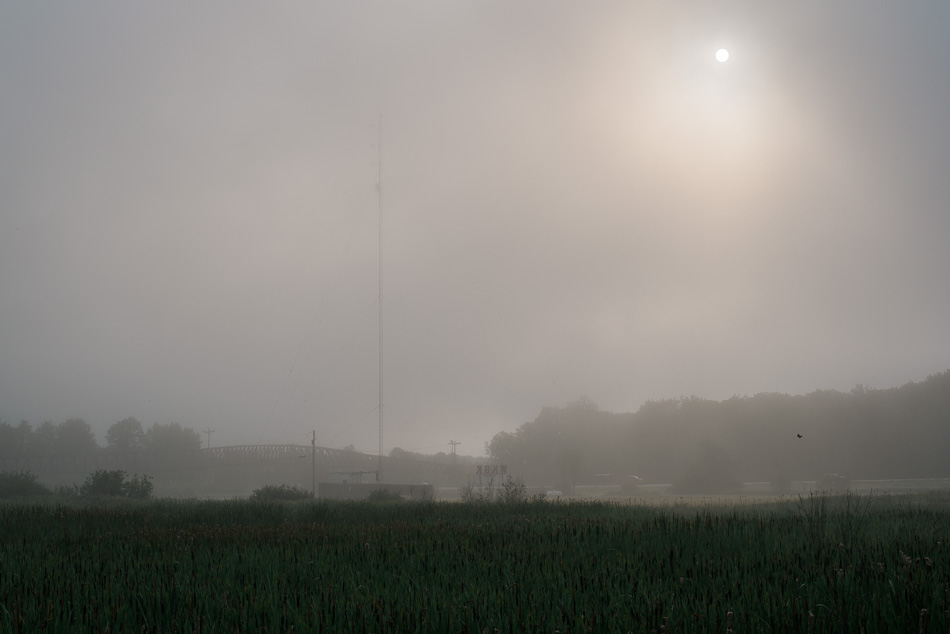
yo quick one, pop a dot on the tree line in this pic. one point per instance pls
(901, 432)
(75, 437)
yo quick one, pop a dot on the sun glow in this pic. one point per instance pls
(722, 55)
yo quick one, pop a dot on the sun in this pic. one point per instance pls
(722, 55)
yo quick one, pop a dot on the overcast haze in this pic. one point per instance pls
(578, 199)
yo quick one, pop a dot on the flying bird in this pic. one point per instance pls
(799, 435)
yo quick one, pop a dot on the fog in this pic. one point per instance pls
(577, 199)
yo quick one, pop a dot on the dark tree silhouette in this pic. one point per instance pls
(126, 435)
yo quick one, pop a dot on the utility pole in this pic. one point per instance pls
(454, 443)
(209, 432)
(313, 464)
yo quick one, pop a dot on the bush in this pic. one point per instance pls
(279, 493)
(471, 494)
(15, 484)
(102, 483)
(510, 492)
(139, 487)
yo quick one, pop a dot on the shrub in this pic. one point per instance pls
(20, 484)
(471, 494)
(139, 487)
(279, 493)
(467, 492)
(102, 483)
(512, 491)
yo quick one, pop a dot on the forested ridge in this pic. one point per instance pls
(900, 432)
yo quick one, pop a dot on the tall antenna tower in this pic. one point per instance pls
(379, 298)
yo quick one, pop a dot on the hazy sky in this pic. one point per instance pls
(578, 199)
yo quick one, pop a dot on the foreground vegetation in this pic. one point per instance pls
(813, 564)
(24, 485)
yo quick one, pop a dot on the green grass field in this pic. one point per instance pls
(811, 565)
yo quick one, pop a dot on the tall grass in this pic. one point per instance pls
(532, 567)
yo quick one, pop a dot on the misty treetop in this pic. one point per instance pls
(900, 432)
(75, 437)
(130, 435)
(127, 435)
(172, 437)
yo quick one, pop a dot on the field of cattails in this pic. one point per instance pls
(818, 564)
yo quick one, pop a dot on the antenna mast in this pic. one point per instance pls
(379, 298)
